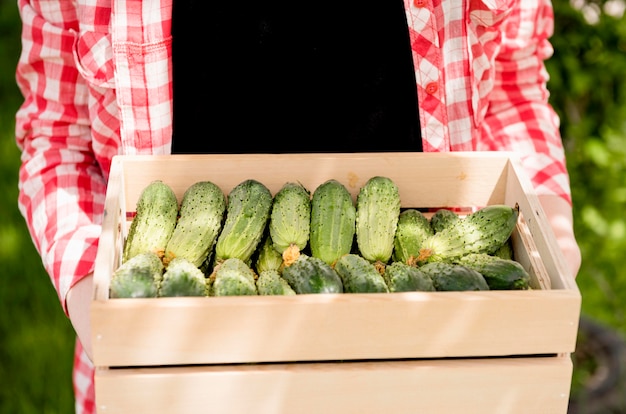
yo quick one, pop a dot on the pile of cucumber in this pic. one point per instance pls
(250, 242)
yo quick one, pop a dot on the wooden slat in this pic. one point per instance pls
(468, 386)
(341, 326)
(425, 180)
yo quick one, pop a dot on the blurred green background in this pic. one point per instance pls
(587, 72)
(36, 340)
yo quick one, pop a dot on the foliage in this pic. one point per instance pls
(590, 97)
(588, 93)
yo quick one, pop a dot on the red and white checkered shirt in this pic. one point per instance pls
(97, 80)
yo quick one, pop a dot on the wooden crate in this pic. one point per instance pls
(493, 351)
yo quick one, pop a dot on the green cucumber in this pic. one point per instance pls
(290, 220)
(247, 214)
(270, 282)
(138, 277)
(454, 277)
(333, 221)
(359, 275)
(483, 231)
(200, 221)
(443, 218)
(232, 277)
(154, 221)
(267, 258)
(308, 274)
(413, 228)
(500, 274)
(377, 214)
(182, 278)
(401, 277)
(506, 251)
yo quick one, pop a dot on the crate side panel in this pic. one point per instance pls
(425, 180)
(171, 331)
(110, 244)
(519, 192)
(481, 386)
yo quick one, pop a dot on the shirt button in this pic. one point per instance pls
(431, 88)
(420, 3)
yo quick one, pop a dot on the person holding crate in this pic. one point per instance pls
(103, 77)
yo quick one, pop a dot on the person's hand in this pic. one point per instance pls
(78, 301)
(559, 213)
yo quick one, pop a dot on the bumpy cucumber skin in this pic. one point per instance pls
(270, 282)
(182, 278)
(500, 274)
(309, 274)
(333, 221)
(358, 275)
(154, 221)
(454, 277)
(290, 218)
(268, 258)
(505, 251)
(139, 277)
(247, 214)
(483, 231)
(443, 218)
(232, 277)
(401, 277)
(377, 213)
(200, 220)
(413, 229)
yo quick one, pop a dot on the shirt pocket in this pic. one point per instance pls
(93, 56)
(484, 32)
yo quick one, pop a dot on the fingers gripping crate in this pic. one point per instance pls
(489, 351)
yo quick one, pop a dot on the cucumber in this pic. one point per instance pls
(359, 275)
(308, 274)
(443, 218)
(270, 282)
(500, 274)
(333, 221)
(290, 220)
(267, 257)
(413, 228)
(154, 221)
(232, 277)
(200, 221)
(401, 277)
(182, 278)
(483, 231)
(138, 277)
(454, 277)
(505, 251)
(377, 214)
(247, 214)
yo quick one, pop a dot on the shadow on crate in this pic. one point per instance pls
(599, 378)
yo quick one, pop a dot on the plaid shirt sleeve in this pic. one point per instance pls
(481, 82)
(61, 184)
(70, 125)
(518, 116)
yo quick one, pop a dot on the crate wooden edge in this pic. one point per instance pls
(540, 232)
(491, 385)
(406, 325)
